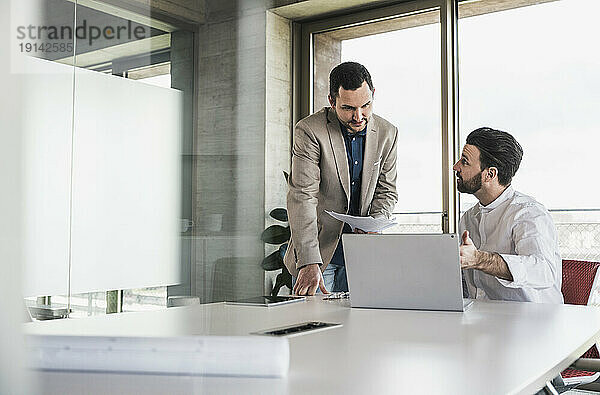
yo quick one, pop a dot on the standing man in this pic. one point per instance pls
(343, 160)
(509, 247)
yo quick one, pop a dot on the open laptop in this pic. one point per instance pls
(404, 271)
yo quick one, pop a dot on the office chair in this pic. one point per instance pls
(579, 278)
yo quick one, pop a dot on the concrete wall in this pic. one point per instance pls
(278, 120)
(304, 9)
(327, 55)
(239, 152)
(192, 11)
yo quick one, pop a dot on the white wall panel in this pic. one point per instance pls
(126, 184)
(46, 127)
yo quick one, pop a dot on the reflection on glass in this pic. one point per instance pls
(125, 44)
(44, 29)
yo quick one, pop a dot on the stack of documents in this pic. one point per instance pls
(367, 224)
(189, 355)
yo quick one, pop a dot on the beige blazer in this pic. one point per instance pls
(320, 180)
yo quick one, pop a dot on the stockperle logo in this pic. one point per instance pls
(84, 31)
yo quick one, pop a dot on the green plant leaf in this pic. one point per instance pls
(286, 277)
(280, 214)
(275, 234)
(272, 262)
(283, 278)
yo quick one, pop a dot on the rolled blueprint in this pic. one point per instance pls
(255, 356)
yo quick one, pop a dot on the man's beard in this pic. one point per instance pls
(471, 185)
(350, 126)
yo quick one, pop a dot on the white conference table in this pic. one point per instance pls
(492, 348)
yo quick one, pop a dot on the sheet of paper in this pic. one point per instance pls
(368, 224)
(193, 355)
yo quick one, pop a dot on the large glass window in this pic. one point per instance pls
(403, 56)
(533, 72)
(525, 67)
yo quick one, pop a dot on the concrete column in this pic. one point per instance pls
(229, 151)
(278, 121)
(327, 55)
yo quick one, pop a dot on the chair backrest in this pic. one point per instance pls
(577, 280)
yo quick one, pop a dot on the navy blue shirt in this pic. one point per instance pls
(355, 150)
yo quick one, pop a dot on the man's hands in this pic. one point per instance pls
(469, 258)
(310, 276)
(488, 262)
(362, 232)
(309, 279)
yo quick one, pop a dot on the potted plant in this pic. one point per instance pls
(278, 235)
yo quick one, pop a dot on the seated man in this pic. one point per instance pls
(509, 247)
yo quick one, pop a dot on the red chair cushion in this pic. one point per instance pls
(569, 373)
(578, 278)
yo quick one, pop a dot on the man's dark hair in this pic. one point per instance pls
(497, 149)
(348, 75)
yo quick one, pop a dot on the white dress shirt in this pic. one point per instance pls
(521, 231)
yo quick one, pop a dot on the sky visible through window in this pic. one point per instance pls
(531, 71)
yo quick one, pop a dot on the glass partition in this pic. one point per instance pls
(47, 139)
(107, 169)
